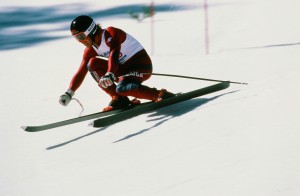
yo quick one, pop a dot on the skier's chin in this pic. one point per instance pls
(87, 45)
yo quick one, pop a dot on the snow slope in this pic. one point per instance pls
(240, 141)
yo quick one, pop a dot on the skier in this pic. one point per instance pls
(126, 62)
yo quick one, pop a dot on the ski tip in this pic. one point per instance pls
(27, 128)
(24, 128)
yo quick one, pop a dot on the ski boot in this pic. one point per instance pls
(117, 102)
(164, 94)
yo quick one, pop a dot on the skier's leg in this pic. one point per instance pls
(130, 86)
(98, 67)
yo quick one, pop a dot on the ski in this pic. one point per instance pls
(78, 119)
(109, 120)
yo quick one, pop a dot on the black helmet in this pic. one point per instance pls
(84, 24)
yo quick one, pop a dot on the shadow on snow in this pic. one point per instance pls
(165, 114)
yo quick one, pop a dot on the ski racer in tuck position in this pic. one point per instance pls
(126, 61)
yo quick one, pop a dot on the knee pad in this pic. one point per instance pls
(127, 87)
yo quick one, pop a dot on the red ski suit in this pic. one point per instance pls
(124, 55)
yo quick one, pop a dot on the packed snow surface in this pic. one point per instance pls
(237, 142)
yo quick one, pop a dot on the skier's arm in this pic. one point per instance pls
(117, 38)
(77, 79)
(74, 85)
(79, 76)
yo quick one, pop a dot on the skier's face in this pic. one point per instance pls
(87, 42)
(83, 38)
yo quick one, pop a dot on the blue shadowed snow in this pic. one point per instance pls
(20, 26)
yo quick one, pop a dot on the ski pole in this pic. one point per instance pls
(195, 78)
(82, 109)
(180, 76)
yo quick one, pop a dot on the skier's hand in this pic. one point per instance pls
(66, 98)
(107, 80)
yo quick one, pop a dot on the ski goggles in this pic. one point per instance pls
(82, 36)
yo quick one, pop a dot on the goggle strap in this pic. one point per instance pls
(91, 27)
